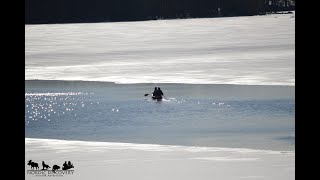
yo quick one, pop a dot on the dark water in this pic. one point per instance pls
(259, 117)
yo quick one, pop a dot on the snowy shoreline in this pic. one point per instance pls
(234, 50)
(151, 83)
(104, 160)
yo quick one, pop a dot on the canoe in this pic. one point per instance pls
(158, 98)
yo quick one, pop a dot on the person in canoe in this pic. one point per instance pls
(155, 91)
(157, 94)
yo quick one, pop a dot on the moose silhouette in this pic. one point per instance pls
(67, 166)
(45, 166)
(33, 164)
(55, 167)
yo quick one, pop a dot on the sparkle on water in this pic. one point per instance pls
(49, 106)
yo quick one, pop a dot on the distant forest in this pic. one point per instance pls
(81, 11)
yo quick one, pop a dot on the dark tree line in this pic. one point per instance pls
(279, 5)
(73, 11)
